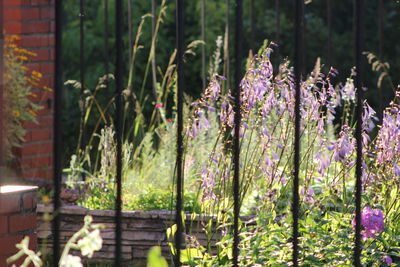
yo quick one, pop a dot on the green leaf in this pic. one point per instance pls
(171, 231)
(155, 259)
(190, 253)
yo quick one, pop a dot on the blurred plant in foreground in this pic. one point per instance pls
(87, 240)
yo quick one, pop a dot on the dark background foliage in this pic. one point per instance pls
(265, 21)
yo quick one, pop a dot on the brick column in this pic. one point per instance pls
(33, 21)
(1, 91)
(17, 219)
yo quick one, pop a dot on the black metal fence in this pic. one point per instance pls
(180, 45)
(1, 84)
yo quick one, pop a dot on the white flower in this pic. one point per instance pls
(90, 243)
(71, 261)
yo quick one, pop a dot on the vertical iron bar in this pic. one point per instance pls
(57, 130)
(82, 72)
(354, 27)
(359, 4)
(236, 141)
(303, 40)
(82, 42)
(118, 129)
(2, 102)
(153, 59)
(203, 48)
(179, 190)
(298, 66)
(278, 27)
(106, 59)
(252, 27)
(130, 28)
(381, 13)
(226, 45)
(380, 51)
(329, 24)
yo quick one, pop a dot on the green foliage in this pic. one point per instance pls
(159, 199)
(150, 199)
(155, 259)
(103, 197)
(100, 197)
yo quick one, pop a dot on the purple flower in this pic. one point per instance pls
(213, 90)
(198, 124)
(344, 145)
(268, 105)
(265, 132)
(227, 115)
(320, 126)
(388, 139)
(257, 82)
(309, 195)
(349, 91)
(192, 130)
(330, 114)
(365, 138)
(396, 170)
(267, 168)
(372, 221)
(369, 116)
(207, 184)
(388, 260)
(323, 162)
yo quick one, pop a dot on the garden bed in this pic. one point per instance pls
(140, 231)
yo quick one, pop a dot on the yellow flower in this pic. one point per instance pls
(37, 74)
(30, 53)
(11, 45)
(16, 113)
(35, 78)
(14, 38)
(48, 89)
(45, 199)
(23, 58)
(33, 113)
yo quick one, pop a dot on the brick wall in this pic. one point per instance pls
(33, 21)
(17, 219)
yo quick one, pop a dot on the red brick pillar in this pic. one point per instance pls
(1, 90)
(17, 219)
(33, 21)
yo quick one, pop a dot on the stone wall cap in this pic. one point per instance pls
(12, 189)
(155, 214)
